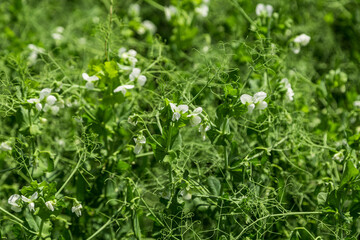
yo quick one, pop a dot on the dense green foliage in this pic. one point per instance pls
(188, 119)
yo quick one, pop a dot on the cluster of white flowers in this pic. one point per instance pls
(170, 11)
(57, 34)
(135, 73)
(193, 117)
(35, 51)
(203, 9)
(139, 141)
(4, 146)
(129, 56)
(15, 202)
(300, 41)
(257, 101)
(264, 10)
(50, 102)
(289, 91)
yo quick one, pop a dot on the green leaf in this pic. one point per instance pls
(122, 166)
(350, 173)
(214, 185)
(111, 69)
(321, 198)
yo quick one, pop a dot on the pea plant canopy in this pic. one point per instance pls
(179, 119)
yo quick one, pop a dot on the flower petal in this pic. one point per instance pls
(258, 97)
(183, 108)
(262, 105)
(246, 98)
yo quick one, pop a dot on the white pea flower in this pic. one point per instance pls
(77, 210)
(140, 141)
(150, 26)
(135, 75)
(170, 12)
(195, 119)
(59, 29)
(44, 93)
(89, 80)
(357, 104)
(262, 9)
(121, 51)
(30, 201)
(57, 36)
(132, 120)
(38, 105)
(203, 129)
(202, 10)
(36, 49)
(185, 194)
(142, 80)
(178, 110)
(257, 101)
(302, 39)
(134, 9)
(289, 90)
(51, 100)
(50, 205)
(5, 147)
(338, 156)
(123, 88)
(13, 202)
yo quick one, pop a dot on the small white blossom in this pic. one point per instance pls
(135, 75)
(202, 10)
(134, 9)
(44, 93)
(289, 90)
(50, 205)
(195, 119)
(257, 101)
(185, 194)
(51, 100)
(140, 141)
(123, 88)
(89, 80)
(150, 26)
(77, 210)
(170, 12)
(302, 39)
(5, 147)
(203, 129)
(30, 201)
(357, 104)
(178, 110)
(262, 9)
(57, 36)
(13, 202)
(339, 156)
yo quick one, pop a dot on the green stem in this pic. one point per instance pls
(155, 4)
(236, 4)
(275, 215)
(41, 228)
(69, 178)
(105, 225)
(16, 220)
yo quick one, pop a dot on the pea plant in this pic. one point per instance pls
(192, 119)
